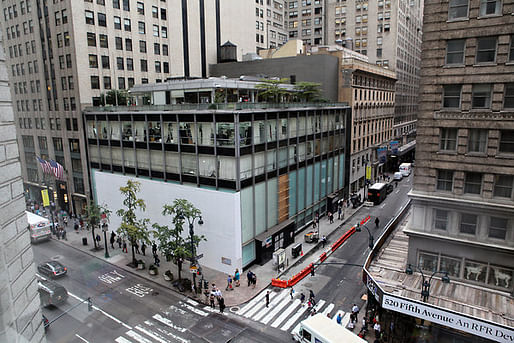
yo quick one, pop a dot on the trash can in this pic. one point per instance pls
(296, 250)
(84, 240)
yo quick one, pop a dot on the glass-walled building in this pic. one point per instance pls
(274, 167)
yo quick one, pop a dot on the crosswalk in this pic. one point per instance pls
(286, 313)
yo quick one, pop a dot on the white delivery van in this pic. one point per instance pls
(39, 227)
(405, 169)
(321, 329)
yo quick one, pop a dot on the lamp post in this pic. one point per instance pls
(370, 237)
(105, 227)
(190, 221)
(425, 286)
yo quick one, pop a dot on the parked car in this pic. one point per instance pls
(389, 188)
(52, 269)
(397, 176)
(51, 293)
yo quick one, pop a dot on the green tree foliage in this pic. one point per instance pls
(271, 91)
(308, 91)
(135, 229)
(171, 241)
(94, 216)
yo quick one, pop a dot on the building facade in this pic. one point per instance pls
(270, 32)
(20, 315)
(64, 55)
(272, 167)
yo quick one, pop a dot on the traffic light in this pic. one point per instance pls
(89, 304)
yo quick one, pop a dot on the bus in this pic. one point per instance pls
(377, 193)
(39, 227)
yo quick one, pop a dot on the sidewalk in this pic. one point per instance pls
(240, 294)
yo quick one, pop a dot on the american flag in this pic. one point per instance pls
(57, 169)
(47, 169)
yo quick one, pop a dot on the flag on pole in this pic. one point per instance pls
(57, 169)
(47, 169)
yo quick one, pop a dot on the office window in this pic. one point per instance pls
(490, 7)
(100, 2)
(140, 8)
(117, 23)
(503, 186)
(73, 106)
(93, 61)
(119, 63)
(105, 62)
(68, 61)
(126, 5)
(166, 67)
(455, 51)
(130, 82)
(468, 223)
(486, 49)
(121, 83)
(102, 20)
(163, 13)
(508, 100)
(448, 139)
(473, 183)
(165, 49)
(104, 42)
(457, 9)
(156, 30)
(64, 86)
(477, 140)
(507, 141)
(128, 44)
(71, 85)
(107, 82)
(440, 219)
(451, 96)
(90, 17)
(119, 43)
(155, 12)
(91, 39)
(164, 32)
(511, 50)
(144, 80)
(156, 48)
(498, 227)
(444, 180)
(144, 65)
(126, 25)
(116, 4)
(142, 46)
(157, 66)
(130, 64)
(95, 82)
(481, 96)
(141, 27)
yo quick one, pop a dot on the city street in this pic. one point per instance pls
(336, 287)
(128, 308)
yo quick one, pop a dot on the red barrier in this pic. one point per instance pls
(365, 220)
(279, 283)
(323, 257)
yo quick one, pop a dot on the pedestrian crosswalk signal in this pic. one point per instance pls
(89, 304)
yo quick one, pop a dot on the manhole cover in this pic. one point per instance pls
(234, 309)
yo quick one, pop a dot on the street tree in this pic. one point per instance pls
(94, 214)
(308, 91)
(170, 237)
(132, 227)
(270, 90)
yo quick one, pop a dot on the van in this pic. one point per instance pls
(398, 176)
(405, 169)
(321, 329)
(39, 227)
(51, 293)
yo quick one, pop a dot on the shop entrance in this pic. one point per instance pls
(279, 236)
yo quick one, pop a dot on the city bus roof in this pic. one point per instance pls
(377, 186)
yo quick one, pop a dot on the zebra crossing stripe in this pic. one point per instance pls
(273, 303)
(275, 311)
(328, 309)
(286, 313)
(137, 337)
(258, 306)
(122, 339)
(192, 302)
(151, 334)
(297, 315)
(168, 322)
(193, 309)
(252, 303)
(346, 320)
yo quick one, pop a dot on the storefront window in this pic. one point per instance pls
(91, 130)
(154, 131)
(427, 261)
(475, 271)
(127, 131)
(206, 134)
(102, 129)
(500, 277)
(170, 133)
(245, 134)
(259, 132)
(450, 265)
(114, 127)
(225, 134)
(187, 133)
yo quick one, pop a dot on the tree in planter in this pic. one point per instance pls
(308, 91)
(94, 214)
(171, 241)
(131, 226)
(271, 91)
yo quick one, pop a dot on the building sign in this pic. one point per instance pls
(373, 288)
(382, 155)
(394, 147)
(368, 172)
(44, 195)
(453, 320)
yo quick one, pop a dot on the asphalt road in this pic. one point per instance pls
(128, 308)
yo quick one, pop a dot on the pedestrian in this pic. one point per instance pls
(98, 238)
(330, 217)
(314, 224)
(76, 226)
(291, 293)
(63, 234)
(267, 298)
(229, 283)
(119, 242)
(254, 280)
(339, 212)
(311, 294)
(377, 329)
(339, 318)
(125, 247)
(143, 248)
(302, 297)
(157, 261)
(136, 246)
(221, 303)
(249, 277)
(377, 222)
(237, 276)
(353, 318)
(211, 299)
(113, 239)
(355, 309)
(323, 240)
(154, 248)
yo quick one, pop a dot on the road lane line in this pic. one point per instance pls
(82, 338)
(137, 337)
(151, 334)
(167, 322)
(252, 303)
(193, 309)
(122, 339)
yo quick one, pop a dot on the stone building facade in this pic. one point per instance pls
(20, 316)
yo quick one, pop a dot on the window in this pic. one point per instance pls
(102, 20)
(142, 46)
(511, 52)
(156, 30)
(164, 32)
(451, 265)
(163, 13)
(444, 180)
(126, 25)
(448, 140)
(128, 44)
(156, 48)
(157, 66)
(141, 27)
(451, 96)
(427, 261)
(477, 140)
(90, 17)
(468, 223)
(119, 43)
(440, 219)
(457, 9)
(130, 82)
(119, 63)
(144, 80)
(91, 39)
(455, 51)
(498, 228)
(507, 141)
(503, 186)
(71, 85)
(508, 100)
(165, 49)
(486, 49)
(490, 7)
(105, 62)
(117, 23)
(144, 65)
(166, 67)
(473, 183)
(121, 83)
(140, 8)
(481, 96)
(116, 4)
(95, 82)
(93, 61)
(130, 63)
(155, 12)
(126, 5)
(107, 82)
(104, 43)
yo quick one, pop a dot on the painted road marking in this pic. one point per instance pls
(252, 303)
(286, 313)
(259, 304)
(192, 302)
(328, 309)
(137, 337)
(193, 309)
(139, 290)
(272, 304)
(164, 332)
(122, 339)
(111, 277)
(275, 311)
(82, 338)
(155, 336)
(168, 322)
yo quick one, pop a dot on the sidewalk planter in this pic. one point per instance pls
(152, 270)
(140, 265)
(168, 275)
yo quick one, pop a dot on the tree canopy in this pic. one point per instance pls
(94, 214)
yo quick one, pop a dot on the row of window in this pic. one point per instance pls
(485, 50)
(55, 124)
(477, 140)
(481, 95)
(459, 9)
(127, 26)
(497, 227)
(503, 184)
(125, 5)
(13, 32)
(11, 12)
(95, 82)
(16, 50)
(103, 42)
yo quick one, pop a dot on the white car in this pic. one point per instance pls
(397, 176)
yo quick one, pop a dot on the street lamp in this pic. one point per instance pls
(370, 237)
(425, 286)
(105, 227)
(190, 221)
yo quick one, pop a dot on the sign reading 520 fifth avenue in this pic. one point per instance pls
(474, 326)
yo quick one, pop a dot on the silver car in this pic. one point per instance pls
(52, 269)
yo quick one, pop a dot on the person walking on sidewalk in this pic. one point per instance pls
(136, 246)
(302, 298)
(249, 277)
(377, 329)
(157, 261)
(154, 248)
(113, 239)
(377, 222)
(221, 303)
(143, 248)
(355, 309)
(267, 298)
(119, 242)
(229, 283)
(291, 293)
(125, 247)
(339, 211)
(237, 276)
(211, 299)
(323, 241)
(254, 280)
(330, 217)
